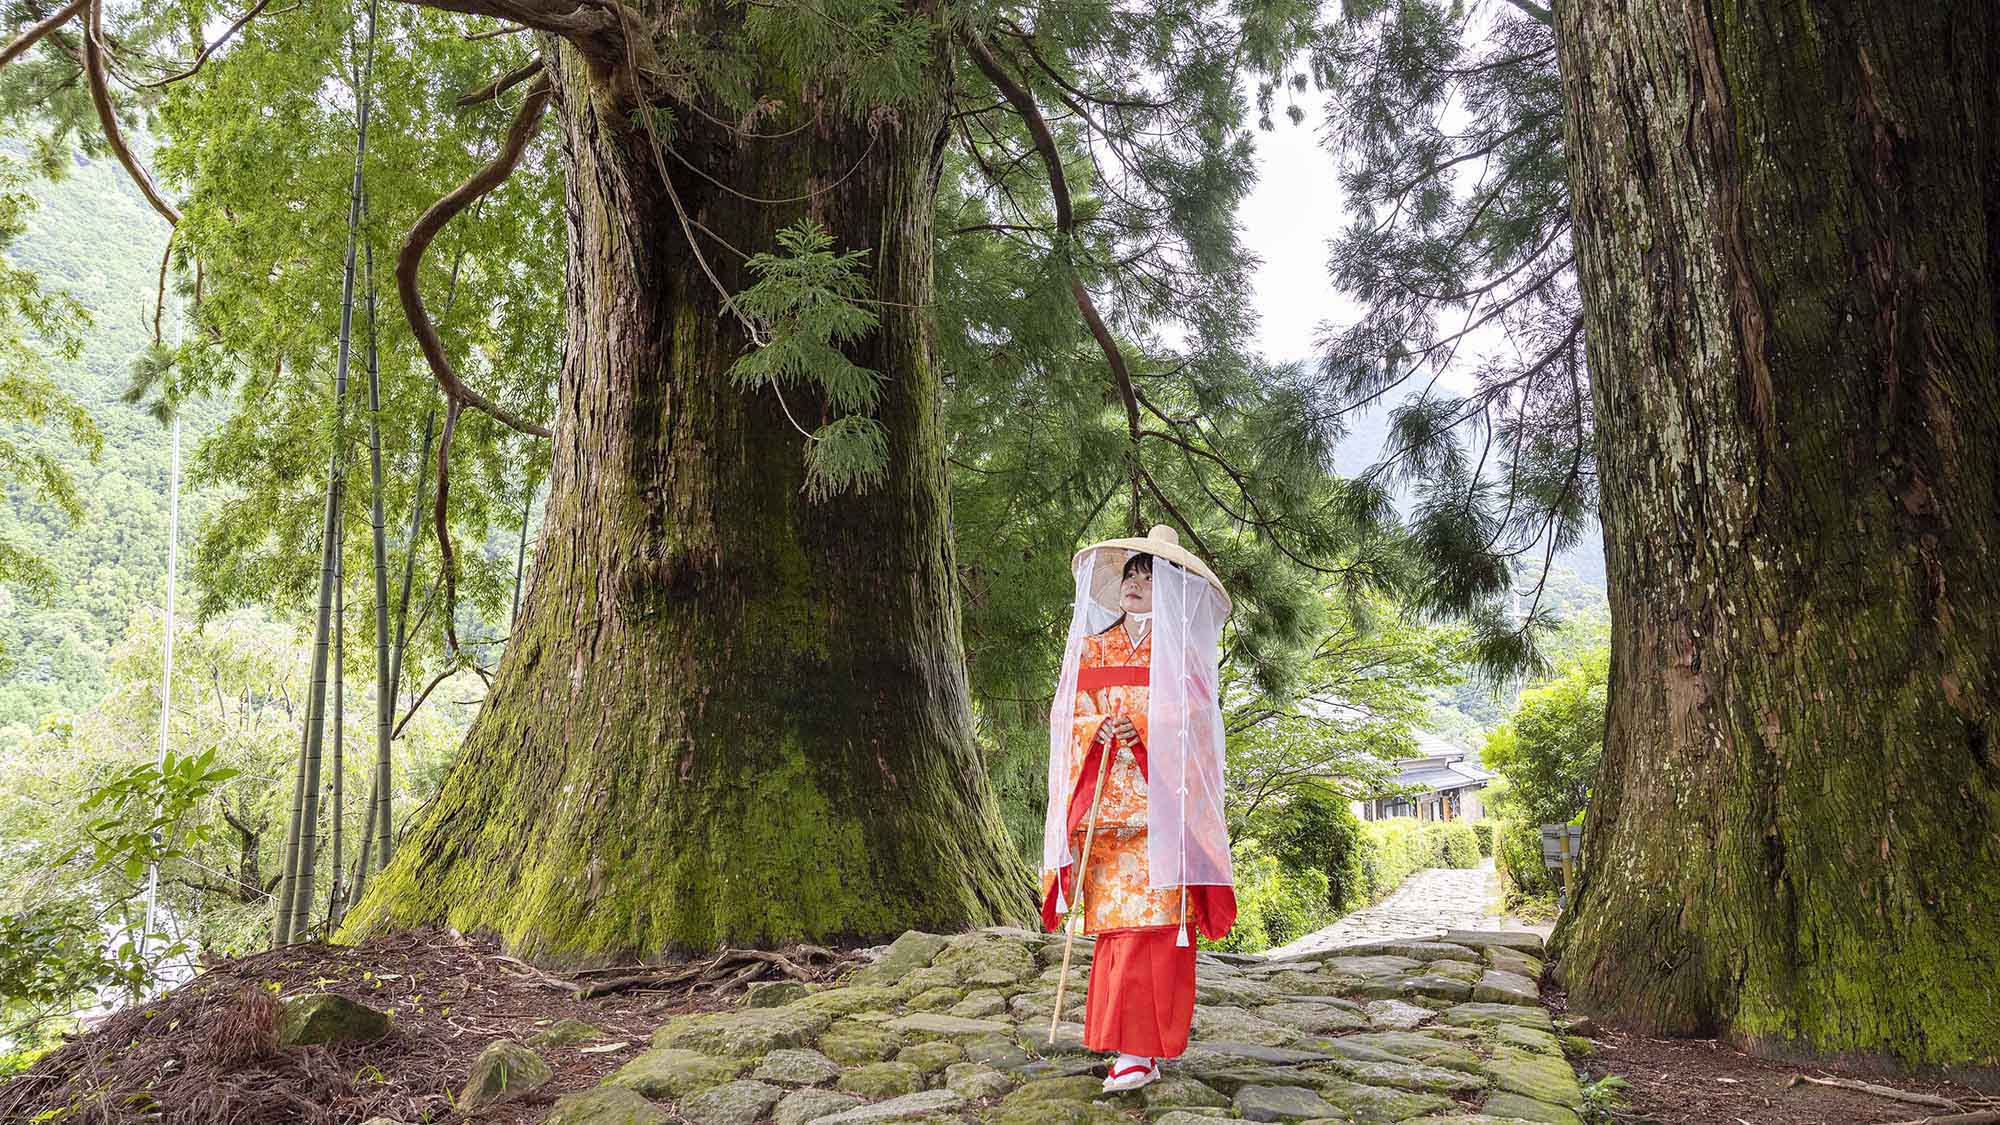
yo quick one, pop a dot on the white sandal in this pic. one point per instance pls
(1131, 1076)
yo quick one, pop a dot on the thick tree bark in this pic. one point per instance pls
(1788, 234)
(728, 714)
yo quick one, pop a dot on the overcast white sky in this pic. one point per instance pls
(1286, 222)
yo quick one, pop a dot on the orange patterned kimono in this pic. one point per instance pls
(1112, 681)
(1141, 998)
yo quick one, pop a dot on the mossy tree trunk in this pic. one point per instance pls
(728, 714)
(1788, 236)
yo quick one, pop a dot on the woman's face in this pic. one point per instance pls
(1135, 593)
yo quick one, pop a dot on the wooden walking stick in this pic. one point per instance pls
(1082, 873)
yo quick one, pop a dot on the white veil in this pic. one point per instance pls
(1187, 836)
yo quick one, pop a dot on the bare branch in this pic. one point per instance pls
(492, 90)
(411, 256)
(593, 25)
(34, 34)
(107, 114)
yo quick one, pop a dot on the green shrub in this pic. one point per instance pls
(1275, 903)
(1483, 828)
(1455, 842)
(1316, 829)
(1517, 854)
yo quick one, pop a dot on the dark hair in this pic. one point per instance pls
(1135, 563)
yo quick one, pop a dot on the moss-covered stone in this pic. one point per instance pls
(847, 999)
(929, 977)
(1545, 1078)
(932, 1025)
(1234, 991)
(503, 1071)
(732, 1103)
(931, 1057)
(1506, 1103)
(1238, 1025)
(882, 1080)
(1189, 1117)
(1461, 1119)
(1315, 1019)
(1524, 1038)
(924, 1105)
(564, 1033)
(1511, 961)
(1077, 1088)
(995, 959)
(605, 1105)
(1280, 1103)
(998, 1051)
(1410, 1076)
(1437, 986)
(1467, 971)
(979, 1005)
(935, 999)
(323, 1017)
(801, 1106)
(773, 993)
(1397, 1015)
(1488, 1015)
(796, 1066)
(1498, 986)
(1372, 965)
(853, 1041)
(1524, 941)
(977, 1082)
(913, 950)
(748, 1033)
(1421, 1047)
(1035, 1006)
(1179, 1090)
(1378, 1105)
(672, 1073)
(1081, 950)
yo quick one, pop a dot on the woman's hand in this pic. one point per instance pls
(1123, 730)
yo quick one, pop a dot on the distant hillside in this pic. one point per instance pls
(93, 236)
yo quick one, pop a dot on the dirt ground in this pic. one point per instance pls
(1703, 1082)
(206, 1053)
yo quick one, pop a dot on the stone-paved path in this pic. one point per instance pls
(1443, 1029)
(1432, 900)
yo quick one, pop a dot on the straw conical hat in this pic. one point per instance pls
(1163, 542)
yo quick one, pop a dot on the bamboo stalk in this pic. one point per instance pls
(301, 844)
(335, 904)
(383, 794)
(307, 853)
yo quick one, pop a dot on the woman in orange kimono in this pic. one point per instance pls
(1141, 996)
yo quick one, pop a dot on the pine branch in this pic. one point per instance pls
(210, 49)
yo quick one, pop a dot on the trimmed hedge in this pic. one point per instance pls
(1396, 847)
(1483, 828)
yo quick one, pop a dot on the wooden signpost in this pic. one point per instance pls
(1562, 847)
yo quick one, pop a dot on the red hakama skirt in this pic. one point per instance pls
(1141, 995)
